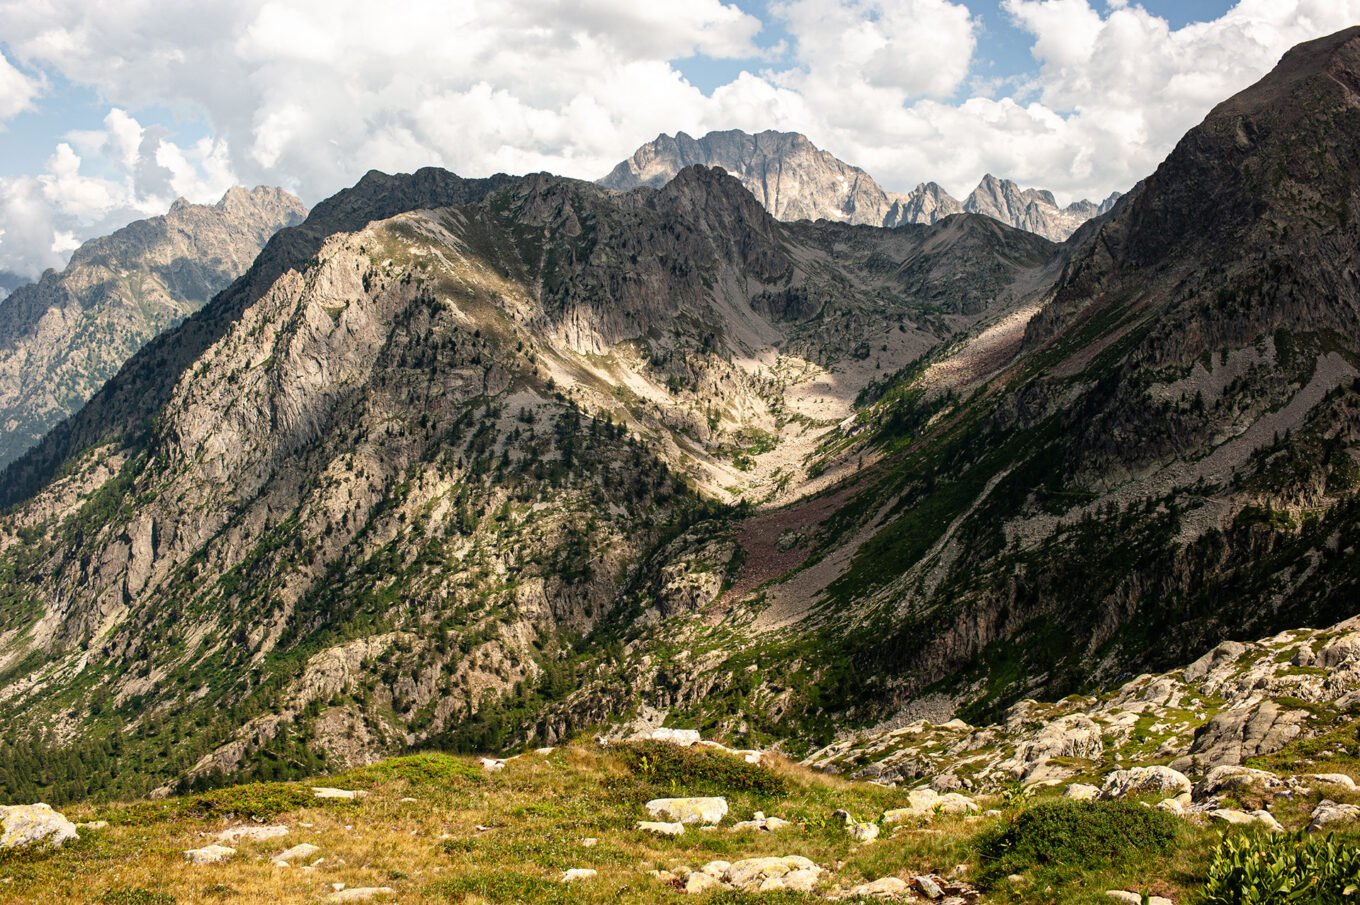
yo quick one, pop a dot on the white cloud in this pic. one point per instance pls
(310, 94)
(17, 90)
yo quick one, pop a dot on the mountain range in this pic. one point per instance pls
(796, 180)
(481, 463)
(63, 336)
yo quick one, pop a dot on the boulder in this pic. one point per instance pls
(209, 854)
(883, 888)
(1334, 779)
(928, 803)
(1144, 781)
(1080, 791)
(700, 882)
(661, 828)
(863, 833)
(296, 853)
(1329, 812)
(688, 810)
(251, 833)
(26, 825)
(758, 874)
(1233, 778)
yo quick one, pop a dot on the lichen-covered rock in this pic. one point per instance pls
(209, 854)
(688, 810)
(1233, 778)
(252, 833)
(27, 825)
(1328, 812)
(1145, 781)
(928, 803)
(661, 828)
(1079, 791)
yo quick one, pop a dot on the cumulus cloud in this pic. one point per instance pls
(17, 90)
(310, 94)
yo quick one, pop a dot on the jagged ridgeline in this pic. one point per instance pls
(470, 463)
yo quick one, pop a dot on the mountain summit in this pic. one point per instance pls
(796, 180)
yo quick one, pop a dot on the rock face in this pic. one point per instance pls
(796, 180)
(34, 825)
(791, 177)
(64, 335)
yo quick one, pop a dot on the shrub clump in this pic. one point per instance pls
(1260, 869)
(257, 800)
(135, 896)
(1075, 834)
(698, 769)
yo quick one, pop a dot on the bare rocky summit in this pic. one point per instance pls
(796, 180)
(63, 336)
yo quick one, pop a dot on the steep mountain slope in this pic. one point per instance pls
(1166, 455)
(377, 492)
(796, 180)
(63, 336)
(473, 462)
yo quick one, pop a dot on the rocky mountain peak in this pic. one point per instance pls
(796, 180)
(63, 336)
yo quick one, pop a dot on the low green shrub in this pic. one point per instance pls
(135, 896)
(428, 768)
(1258, 869)
(259, 801)
(693, 770)
(1088, 835)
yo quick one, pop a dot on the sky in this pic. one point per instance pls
(109, 111)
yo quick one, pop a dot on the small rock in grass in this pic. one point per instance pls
(360, 894)
(344, 794)
(929, 887)
(209, 854)
(699, 882)
(296, 853)
(883, 888)
(661, 828)
(1133, 898)
(863, 832)
(252, 833)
